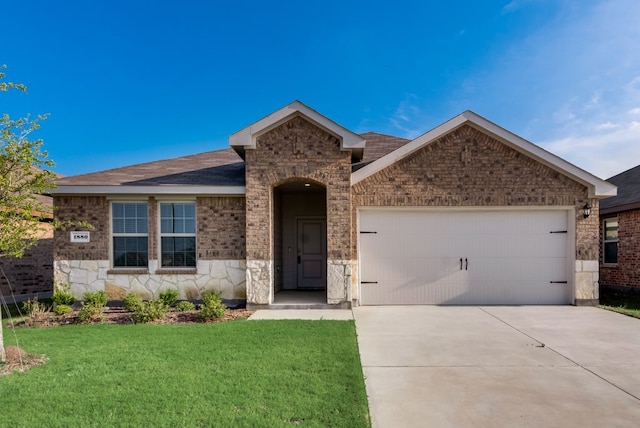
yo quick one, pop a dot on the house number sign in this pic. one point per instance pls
(80, 237)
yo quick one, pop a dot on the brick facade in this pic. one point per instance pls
(239, 237)
(220, 241)
(627, 271)
(467, 168)
(33, 273)
(294, 150)
(221, 228)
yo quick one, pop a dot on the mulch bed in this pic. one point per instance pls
(18, 360)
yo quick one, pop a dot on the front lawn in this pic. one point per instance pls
(627, 303)
(232, 374)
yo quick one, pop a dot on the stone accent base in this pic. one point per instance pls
(587, 275)
(338, 281)
(225, 276)
(259, 279)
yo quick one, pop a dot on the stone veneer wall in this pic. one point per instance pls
(626, 273)
(220, 239)
(295, 150)
(467, 168)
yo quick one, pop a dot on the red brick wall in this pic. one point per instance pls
(33, 273)
(297, 149)
(221, 228)
(92, 209)
(627, 272)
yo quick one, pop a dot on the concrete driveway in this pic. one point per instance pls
(533, 366)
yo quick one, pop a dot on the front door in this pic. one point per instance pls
(312, 250)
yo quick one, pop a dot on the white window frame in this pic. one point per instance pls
(610, 241)
(113, 234)
(177, 235)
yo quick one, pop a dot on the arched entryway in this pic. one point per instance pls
(300, 242)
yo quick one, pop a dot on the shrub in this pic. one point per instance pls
(61, 309)
(185, 305)
(132, 302)
(213, 307)
(92, 306)
(169, 297)
(62, 294)
(34, 309)
(98, 298)
(151, 310)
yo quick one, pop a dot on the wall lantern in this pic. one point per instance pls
(586, 210)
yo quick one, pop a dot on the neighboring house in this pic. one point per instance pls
(620, 233)
(467, 213)
(32, 274)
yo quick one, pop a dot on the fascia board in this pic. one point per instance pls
(247, 137)
(149, 190)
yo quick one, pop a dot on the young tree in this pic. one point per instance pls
(24, 174)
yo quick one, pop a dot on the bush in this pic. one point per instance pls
(61, 309)
(98, 298)
(62, 295)
(151, 310)
(92, 306)
(213, 307)
(132, 302)
(169, 297)
(185, 305)
(34, 309)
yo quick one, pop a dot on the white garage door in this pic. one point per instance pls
(463, 258)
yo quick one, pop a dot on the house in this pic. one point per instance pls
(467, 213)
(620, 234)
(32, 274)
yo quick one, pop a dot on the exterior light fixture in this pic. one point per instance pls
(586, 210)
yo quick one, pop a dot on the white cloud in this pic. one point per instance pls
(605, 153)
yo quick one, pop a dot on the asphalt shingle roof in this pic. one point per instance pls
(628, 197)
(215, 168)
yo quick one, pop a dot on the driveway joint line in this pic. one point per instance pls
(560, 354)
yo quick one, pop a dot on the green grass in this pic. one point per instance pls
(233, 374)
(627, 303)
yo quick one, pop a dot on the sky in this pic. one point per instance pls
(134, 81)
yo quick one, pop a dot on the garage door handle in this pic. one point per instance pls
(557, 282)
(466, 264)
(460, 263)
(368, 282)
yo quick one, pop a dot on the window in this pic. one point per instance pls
(610, 240)
(178, 234)
(130, 237)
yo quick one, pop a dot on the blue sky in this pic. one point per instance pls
(135, 81)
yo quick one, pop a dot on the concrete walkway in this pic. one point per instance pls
(552, 366)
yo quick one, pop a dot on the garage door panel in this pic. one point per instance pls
(509, 257)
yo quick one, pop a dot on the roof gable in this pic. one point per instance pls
(597, 188)
(246, 138)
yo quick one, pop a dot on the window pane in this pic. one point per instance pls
(118, 225)
(178, 251)
(611, 252)
(130, 251)
(190, 226)
(118, 210)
